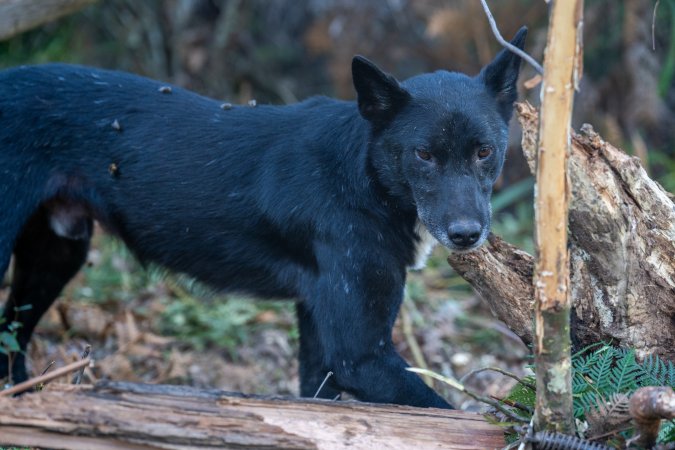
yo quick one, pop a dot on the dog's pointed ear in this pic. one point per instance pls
(501, 75)
(380, 96)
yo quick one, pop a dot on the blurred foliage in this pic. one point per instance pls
(668, 71)
(112, 274)
(513, 213)
(225, 324)
(663, 160)
(190, 311)
(37, 47)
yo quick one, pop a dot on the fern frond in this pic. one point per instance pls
(653, 369)
(625, 374)
(657, 372)
(600, 371)
(583, 402)
(608, 415)
(580, 353)
(667, 432)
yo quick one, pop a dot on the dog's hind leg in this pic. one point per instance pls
(11, 220)
(43, 263)
(313, 369)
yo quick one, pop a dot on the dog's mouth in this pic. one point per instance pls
(443, 237)
(476, 246)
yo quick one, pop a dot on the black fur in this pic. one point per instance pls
(320, 201)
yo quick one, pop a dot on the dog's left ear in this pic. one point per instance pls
(380, 96)
(501, 75)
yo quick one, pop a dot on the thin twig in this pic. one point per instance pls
(514, 404)
(418, 356)
(610, 433)
(65, 370)
(512, 445)
(528, 435)
(506, 44)
(77, 379)
(460, 387)
(328, 375)
(656, 6)
(49, 366)
(502, 371)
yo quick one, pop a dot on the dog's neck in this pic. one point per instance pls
(424, 246)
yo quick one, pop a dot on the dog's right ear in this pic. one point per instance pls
(501, 75)
(380, 96)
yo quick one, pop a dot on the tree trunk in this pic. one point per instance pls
(17, 16)
(622, 252)
(113, 415)
(552, 349)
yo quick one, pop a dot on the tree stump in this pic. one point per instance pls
(622, 252)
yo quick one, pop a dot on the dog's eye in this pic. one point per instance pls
(423, 154)
(484, 152)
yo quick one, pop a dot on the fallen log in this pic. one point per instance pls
(17, 16)
(117, 415)
(622, 252)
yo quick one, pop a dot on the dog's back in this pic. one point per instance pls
(234, 196)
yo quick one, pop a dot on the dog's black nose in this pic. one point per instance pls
(464, 233)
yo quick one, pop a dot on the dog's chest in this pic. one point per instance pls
(424, 247)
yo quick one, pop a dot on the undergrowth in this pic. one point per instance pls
(193, 313)
(604, 376)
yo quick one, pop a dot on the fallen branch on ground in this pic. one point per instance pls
(127, 415)
(28, 384)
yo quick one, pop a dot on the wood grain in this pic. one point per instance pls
(136, 416)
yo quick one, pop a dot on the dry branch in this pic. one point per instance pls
(127, 415)
(17, 16)
(622, 252)
(45, 377)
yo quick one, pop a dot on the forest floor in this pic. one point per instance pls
(146, 326)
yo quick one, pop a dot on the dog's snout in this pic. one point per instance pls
(464, 233)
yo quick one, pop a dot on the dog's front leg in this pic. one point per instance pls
(354, 307)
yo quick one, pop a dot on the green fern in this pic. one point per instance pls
(625, 375)
(658, 372)
(600, 372)
(667, 432)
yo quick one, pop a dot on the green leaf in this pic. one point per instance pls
(8, 343)
(523, 394)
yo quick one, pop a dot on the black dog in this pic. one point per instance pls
(324, 201)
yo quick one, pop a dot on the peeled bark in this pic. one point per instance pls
(552, 349)
(622, 252)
